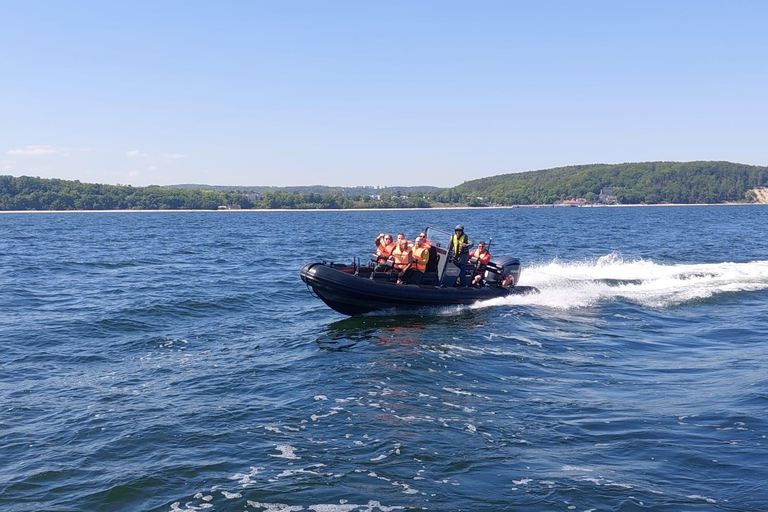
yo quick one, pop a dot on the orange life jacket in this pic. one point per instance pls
(402, 258)
(385, 251)
(420, 258)
(483, 258)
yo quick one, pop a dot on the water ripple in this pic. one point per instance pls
(173, 361)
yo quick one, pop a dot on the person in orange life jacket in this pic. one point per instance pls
(402, 260)
(401, 236)
(432, 263)
(384, 247)
(481, 254)
(419, 257)
(481, 258)
(460, 245)
(427, 243)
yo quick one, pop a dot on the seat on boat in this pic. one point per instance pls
(430, 278)
(363, 271)
(384, 276)
(433, 259)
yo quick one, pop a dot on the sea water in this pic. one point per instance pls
(175, 361)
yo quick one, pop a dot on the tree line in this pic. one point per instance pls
(30, 193)
(636, 183)
(358, 191)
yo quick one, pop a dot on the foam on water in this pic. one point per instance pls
(286, 452)
(196, 381)
(580, 284)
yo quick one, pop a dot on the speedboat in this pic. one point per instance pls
(355, 288)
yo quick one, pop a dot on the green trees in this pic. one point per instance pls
(27, 193)
(633, 183)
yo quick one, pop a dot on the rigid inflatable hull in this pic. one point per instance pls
(352, 295)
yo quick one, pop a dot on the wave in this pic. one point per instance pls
(581, 284)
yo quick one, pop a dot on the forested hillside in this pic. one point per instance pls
(323, 190)
(634, 183)
(648, 183)
(28, 193)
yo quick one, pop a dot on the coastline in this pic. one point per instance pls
(16, 212)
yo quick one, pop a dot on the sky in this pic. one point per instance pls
(395, 93)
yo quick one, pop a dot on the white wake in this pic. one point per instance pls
(570, 285)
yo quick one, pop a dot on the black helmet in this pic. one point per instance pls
(458, 227)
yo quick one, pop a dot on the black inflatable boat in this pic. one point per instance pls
(356, 289)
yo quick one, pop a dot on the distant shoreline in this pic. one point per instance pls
(16, 212)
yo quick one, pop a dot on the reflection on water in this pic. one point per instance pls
(148, 372)
(400, 328)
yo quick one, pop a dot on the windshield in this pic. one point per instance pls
(439, 238)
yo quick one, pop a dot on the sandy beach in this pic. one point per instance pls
(763, 203)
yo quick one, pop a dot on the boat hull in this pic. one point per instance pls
(352, 295)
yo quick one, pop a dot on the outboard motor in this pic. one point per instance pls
(498, 269)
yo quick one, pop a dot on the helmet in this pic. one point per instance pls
(458, 227)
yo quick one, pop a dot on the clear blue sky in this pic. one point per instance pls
(374, 93)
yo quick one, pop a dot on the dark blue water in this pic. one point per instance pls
(175, 361)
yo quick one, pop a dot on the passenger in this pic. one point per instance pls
(509, 281)
(481, 254)
(420, 257)
(384, 247)
(460, 245)
(401, 236)
(427, 243)
(432, 263)
(402, 260)
(480, 257)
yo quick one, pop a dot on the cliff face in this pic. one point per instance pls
(761, 195)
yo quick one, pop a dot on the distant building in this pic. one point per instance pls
(607, 196)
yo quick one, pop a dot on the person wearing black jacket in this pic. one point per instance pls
(460, 246)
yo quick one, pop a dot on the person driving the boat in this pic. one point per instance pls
(460, 245)
(479, 258)
(384, 247)
(402, 260)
